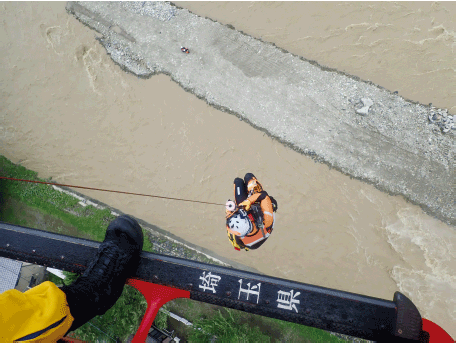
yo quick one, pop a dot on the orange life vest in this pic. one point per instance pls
(260, 232)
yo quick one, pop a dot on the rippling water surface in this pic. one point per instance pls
(407, 47)
(69, 112)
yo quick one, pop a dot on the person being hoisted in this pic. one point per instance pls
(250, 218)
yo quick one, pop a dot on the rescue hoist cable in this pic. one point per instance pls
(109, 190)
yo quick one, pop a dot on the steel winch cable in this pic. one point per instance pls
(109, 190)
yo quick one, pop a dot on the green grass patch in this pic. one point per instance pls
(299, 333)
(55, 279)
(226, 327)
(69, 278)
(89, 220)
(225, 323)
(161, 319)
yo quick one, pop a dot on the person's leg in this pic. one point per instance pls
(248, 177)
(240, 191)
(47, 313)
(98, 289)
(252, 184)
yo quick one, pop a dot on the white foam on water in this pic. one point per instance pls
(428, 272)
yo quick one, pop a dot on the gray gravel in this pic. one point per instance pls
(357, 127)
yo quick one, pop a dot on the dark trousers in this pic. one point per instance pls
(80, 306)
(240, 188)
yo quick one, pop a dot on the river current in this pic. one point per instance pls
(68, 112)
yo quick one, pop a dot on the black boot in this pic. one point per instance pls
(98, 289)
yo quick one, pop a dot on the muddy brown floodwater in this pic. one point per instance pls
(69, 112)
(407, 47)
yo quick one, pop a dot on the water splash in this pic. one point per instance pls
(428, 272)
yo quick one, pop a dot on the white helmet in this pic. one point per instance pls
(241, 223)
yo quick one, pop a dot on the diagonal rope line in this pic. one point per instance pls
(110, 190)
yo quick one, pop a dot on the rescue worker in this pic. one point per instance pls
(46, 312)
(250, 219)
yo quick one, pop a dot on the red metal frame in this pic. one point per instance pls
(156, 296)
(436, 333)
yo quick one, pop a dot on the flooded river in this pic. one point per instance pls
(70, 113)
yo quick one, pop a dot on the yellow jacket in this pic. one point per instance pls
(40, 314)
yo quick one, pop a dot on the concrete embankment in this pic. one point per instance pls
(361, 129)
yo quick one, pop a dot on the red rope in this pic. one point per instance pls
(108, 190)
